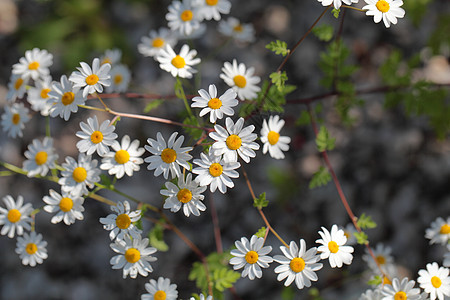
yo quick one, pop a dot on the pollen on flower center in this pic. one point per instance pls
(40, 158)
(238, 28)
(122, 157)
(297, 264)
(14, 215)
(436, 281)
(168, 155)
(16, 119)
(184, 195)
(234, 142)
(118, 79)
(79, 174)
(44, 93)
(445, 229)
(215, 103)
(178, 62)
(123, 221)
(211, 2)
(68, 98)
(92, 79)
(159, 295)
(400, 296)
(158, 42)
(65, 204)
(33, 66)
(382, 6)
(18, 83)
(31, 248)
(215, 169)
(381, 260)
(240, 81)
(273, 137)
(186, 15)
(96, 137)
(333, 247)
(251, 257)
(132, 255)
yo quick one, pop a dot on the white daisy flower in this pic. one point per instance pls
(34, 65)
(167, 157)
(400, 290)
(337, 3)
(215, 106)
(446, 262)
(121, 222)
(125, 158)
(202, 297)
(386, 10)
(349, 231)
(232, 27)
(68, 208)
(234, 140)
(91, 79)
(187, 195)
(14, 119)
(78, 175)
(15, 217)
(371, 295)
(333, 247)
(439, 232)
(252, 256)
(64, 99)
(40, 157)
(178, 64)
(241, 79)
(17, 87)
(160, 290)
(211, 9)
(156, 41)
(435, 281)
(382, 255)
(195, 34)
(214, 171)
(38, 96)
(270, 136)
(120, 79)
(111, 56)
(183, 16)
(134, 256)
(95, 138)
(31, 248)
(298, 264)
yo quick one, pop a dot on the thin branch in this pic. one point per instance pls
(215, 220)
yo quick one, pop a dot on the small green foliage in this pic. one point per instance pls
(261, 201)
(224, 278)
(366, 222)
(314, 293)
(261, 232)
(320, 178)
(178, 88)
(361, 237)
(416, 10)
(195, 133)
(375, 281)
(324, 141)
(156, 237)
(279, 79)
(324, 32)
(304, 119)
(279, 47)
(152, 105)
(335, 12)
(138, 223)
(106, 181)
(288, 293)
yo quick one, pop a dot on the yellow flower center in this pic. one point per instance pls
(158, 42)
(436, 281)
(215, 169)
(238, 28)
(186, 15)
(79, 174)
(212, 2)
(44, 93)
(184, 195)
(382, 6)
(92, 79)
(122, 156)
(233, 142)
(240, 81)
(16, 119)
(18, 83)
(118, 79)
(68, 98)
(347, 234)
(400, 296)
(445, 229)
(178, 62)
(159, 295)
(132, 255)
(96, 137)
(65, 204)
(106, 60)
(31, 248)
(33, 66)
(381, 260)
(251, 257)
(273, 137)
(333, 247)
(297, 264)
(40, 158)
(215, 103)
(386, 280)
(14, 215)
(123, 221)
(168, 155)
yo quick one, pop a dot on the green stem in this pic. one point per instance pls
(183, 96)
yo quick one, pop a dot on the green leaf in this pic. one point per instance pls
(279, 78)
(324, 32)
(336, 12)
(105, 180)
(279, 47)
(261, 232)
(366, 222)
(361, 237)
(156, 237)
(274, 100)
(261, 201)
(224, 278)
(324, 141)
(320, 178)
(304, 119)
(152, 105)
(138, 223)
(376, 280)
(288, 293)
(195, 133)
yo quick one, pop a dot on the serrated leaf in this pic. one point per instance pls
(193, 132)
(105, 180)
(224, 278)
(324, 32)
(152, 105)
(366, 222)
(335, 12)
(279, 47)
(261, 201)
(304, 119)
(156, 237)
(376, 280)
(323, 140)
(320, 178)
(261, 232)
(361, 237)
(279, 79)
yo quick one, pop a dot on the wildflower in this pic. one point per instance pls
(40, 157)
(178, 64)
(31, 248)
(195, 34)
(400, 290)
(156, 41)
(15, 217)
(446, 262)
(95, 138)
(439, 231)
(167, 157)
(68, 208)
(183, 17)
(121, 222)
(337, 3)
(120, 79)
(349, 231)
(161, 289)
(333, 247)
(270, 136)
(232, 27)
(78, 175)
(252, 256)
(203, 297)
(38, 96)
(215, 106)
(14, 119)
(386, 10)
(17, 87)
(298, 264)
(34, 65)
(91, 79)
(134, 256)
(234, 140)
(382, 255)
(111, 56)
(371, 295)
(64, 99)
(211, 9)
(241, 79)
(435, 281)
